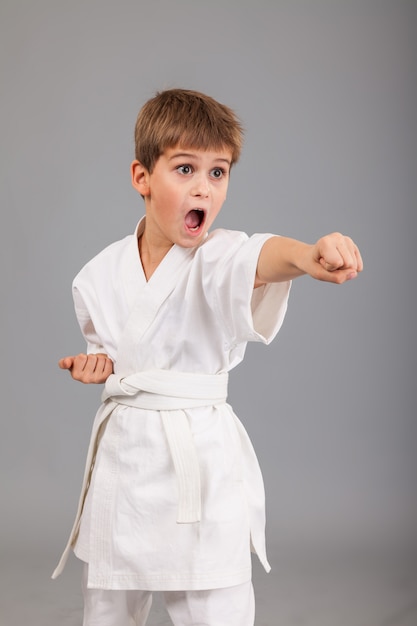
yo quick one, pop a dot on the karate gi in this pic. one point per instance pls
(227, 606)
(173, 496)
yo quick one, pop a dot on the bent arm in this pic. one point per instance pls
(88, 368)
(334, 258)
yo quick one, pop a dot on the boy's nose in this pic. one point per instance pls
(200, 188)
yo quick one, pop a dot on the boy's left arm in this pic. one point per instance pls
(335, 258)
(88, 368)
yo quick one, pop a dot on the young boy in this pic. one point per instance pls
(173, 497)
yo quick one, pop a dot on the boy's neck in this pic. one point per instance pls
(150, 256)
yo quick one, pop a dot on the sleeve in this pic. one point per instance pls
(94, 343)
(248, 314)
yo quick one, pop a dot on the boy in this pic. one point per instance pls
(173, 496)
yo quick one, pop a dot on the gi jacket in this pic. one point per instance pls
(173, 496)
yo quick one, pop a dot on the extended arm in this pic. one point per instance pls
(88, 368)
(334, 258)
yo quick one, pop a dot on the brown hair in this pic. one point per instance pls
(187, 118)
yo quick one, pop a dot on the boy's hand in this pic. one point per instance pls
(88, 368)
(334, 258)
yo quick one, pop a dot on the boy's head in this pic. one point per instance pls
(180, 117)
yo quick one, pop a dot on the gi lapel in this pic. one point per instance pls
(146, 298)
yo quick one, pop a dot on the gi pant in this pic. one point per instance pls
(231, 606)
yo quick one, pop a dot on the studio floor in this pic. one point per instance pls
(342, 590)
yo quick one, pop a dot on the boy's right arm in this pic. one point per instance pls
(88, 368)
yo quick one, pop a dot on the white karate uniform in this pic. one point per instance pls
(228, 606)
(176, 498)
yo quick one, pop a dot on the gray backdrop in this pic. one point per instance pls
(327, 93)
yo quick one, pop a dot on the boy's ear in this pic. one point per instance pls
(140, 178)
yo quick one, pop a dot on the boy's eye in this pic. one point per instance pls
(184, 169)
(217, 172)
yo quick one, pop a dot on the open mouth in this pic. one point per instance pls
(194, 220)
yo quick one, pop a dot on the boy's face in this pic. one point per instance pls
(183, 195)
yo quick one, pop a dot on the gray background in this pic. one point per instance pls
(327, 94)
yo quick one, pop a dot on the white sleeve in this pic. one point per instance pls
(248, 314)
(94, 343)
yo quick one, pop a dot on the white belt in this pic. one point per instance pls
(172, 393)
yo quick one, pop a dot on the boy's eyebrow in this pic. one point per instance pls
(190, 155)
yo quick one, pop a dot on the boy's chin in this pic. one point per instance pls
(193, 240)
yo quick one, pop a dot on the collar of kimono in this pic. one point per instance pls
(172, 393)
